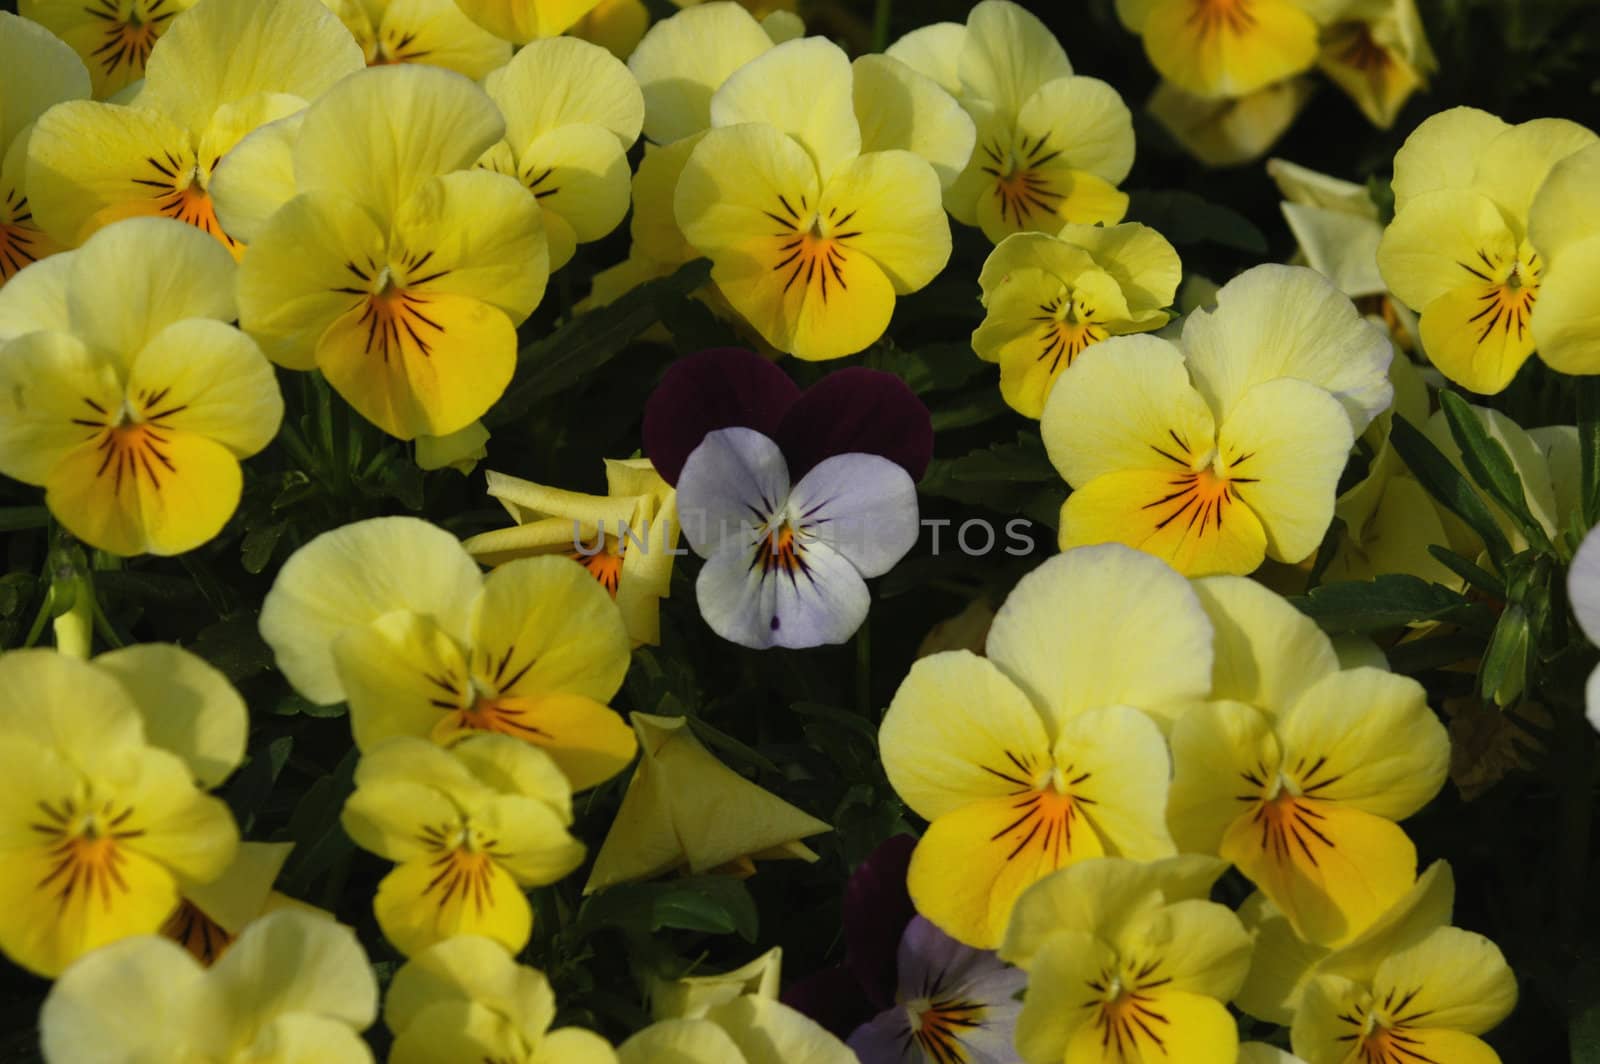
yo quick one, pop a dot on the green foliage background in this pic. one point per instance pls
(804, 723)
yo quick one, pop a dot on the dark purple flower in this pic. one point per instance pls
(853, 411)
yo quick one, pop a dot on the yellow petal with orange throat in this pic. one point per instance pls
(1229, 47)
(459, 892)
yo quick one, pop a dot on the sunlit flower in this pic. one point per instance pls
(211, 916)
(812, 234)
(1228, 449)
(468, 828)
(421, 31)
(222, 69)
(792, 500)
(113, 37)
(520, 21)
(37, 71)
(572, 111)
(683, 60)
(295, 987)
(1427, 1001)
(1051, 146)
(1230, 130)
(747, 1030)
(675, 814)
(99, 826)
(399, 278)
(1224, 47)
(1564, 225)
(615, 25)
(626, 538)
(1461, 252)
(466, 998)
(1335, 225)
(1044, 752)
(393, 616)
(132, 402)
(1049, 297)
(1378, 53)
(1127, 962)
(1299, 776)
(953, 1003)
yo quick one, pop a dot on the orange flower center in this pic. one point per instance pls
(179, 188)
(603, 558)
(84, 853)
(938, 1026)
(1200, 491)
(779, 551)
(1049, 804)
(812, 250)
(502, 715)
(203, 937)
(20, 239)
(1067, 328)
(1509, 290)
(1128, 1016)
(392, 309)
(1222, 16)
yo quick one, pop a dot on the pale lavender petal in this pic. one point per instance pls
(972, 989)
(862, 505)
(732, 482)
(819, 600)
(1583, 585)
(886, 1039)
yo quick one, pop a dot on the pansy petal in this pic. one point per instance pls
(1443, 152)
(1116, 762)
(49, 381)
(768, 1032)
(733, 482)
(139, 995)
(188, 707)
(1065, 963)
(1457, 980)
(899, 108)
(1081, 631)
(520, 22)
(1268, 652)
(208, 378)
(1213, 746)
(35, 298)
(539, 91)
(1280, 41)
(401, 674)
(579, 174)
(803, 89)
(821, 603)
(716, 389)
(256, 177)
(679, 1041)
(1566, 327)
(1086, 120)
(861, 505)
(416, 909)
(887, 205)
(683, 60)
(1514, 166)
(292, 961)
(1564, 213)
(935, 52)
(1008, 55)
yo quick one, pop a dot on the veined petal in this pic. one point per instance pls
(54, 396)
(895, 216)
(190, 833)
(1083, 631)
(188, 707)
(1288, 321)
(1203, 947)
(41, 70)
(1381, 748)
(1457, 980)
(580, 177)
(204, 377)
(256, 177)
(562, 82)
(959, 731)
(734, 481)
(861, 505)
(1043, 197)
(1214, 747)
(1057, 1008)
(520, 22)
(402, 675)
(901, 109)
(1443, 153)
(804, 89)
(1127, 405)
(232, 49)
(758, 597)
(1445, 240)
(530, 839)
(385, 818)
(1267, 652)
(1115, 761)
(1083, 118)
(1285, 444)
(1008, 54)
(684, 59)
(1202, 1025)
(380, 134)
(423, 902)
(337, 582)
(1229, 51)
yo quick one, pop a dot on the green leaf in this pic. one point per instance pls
(1389, 601)
(1184, 218)
(573, 352)
(319, 838)
(1466, 570)
(1447, 485)
(718, 905)
(935, 368)
(255, 553)
(235, 647)
(1490, 466)
(1003, 476)
(1504, 672)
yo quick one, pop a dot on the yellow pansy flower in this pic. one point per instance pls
(675, 814)
(468, 829)
(695, 995)
(113, 37)
(37, 71)
(1429, 1001)
(1229, 130)
(1221, 452)
(1565, 226)
(1460, 250)
(746, 1030)
(572, 111)
(1297, 770)
(521, 21)
(133, 404)
(811, 237)
(1226, 47)
(1127, 962)
(626, 538)
(211, 915)
(1045, 752)
(1378, 53)
(433, 649)
(400, 279)
(99, 826)
(222, 69)
(434, 32)
(683, 60)
(1048, 298)
(295, 988)
(1051, 146)
(615, 25)
(466, 998)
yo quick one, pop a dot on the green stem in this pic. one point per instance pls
(880, 24)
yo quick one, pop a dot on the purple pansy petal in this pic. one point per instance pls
(932, 964)
(863, 506)
(832, 997)
(726, 387)
(746, 602)
(877, 908)
(857, 411)
(735, 479)
(886, 1039)
(1583, 584)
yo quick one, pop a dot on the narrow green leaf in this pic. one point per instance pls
(1447, 485)
(1490, 466)
(717, 905)
(1472, 574)
(1389, 601)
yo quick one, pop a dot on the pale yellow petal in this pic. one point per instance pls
(40, 70)
(683, 60)
(291, 961)
(188, 707)
(899, 108)
(562, 82)
(49, 381)
(1267, 652)
(1566, 323)
(1008, 54)
(208, 378)
(803, 89)
(1443, 153)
